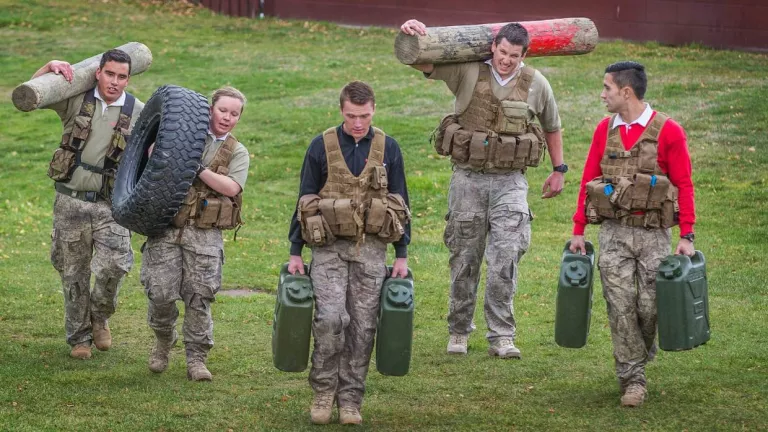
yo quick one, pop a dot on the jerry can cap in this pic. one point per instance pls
(670, 268)
(298, 291)
(399, 295)
(576, 273)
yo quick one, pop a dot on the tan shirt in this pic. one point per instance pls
(462, 77)
(238, 166)
(95, 149)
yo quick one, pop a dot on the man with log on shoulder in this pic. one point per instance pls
(492, 139)
(86, 239)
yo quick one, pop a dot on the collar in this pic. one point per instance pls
(643, 120)
(217, 138)
(502, 82)
(368, 136)
(119, 102)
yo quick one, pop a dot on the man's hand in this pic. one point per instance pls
(295, 264)
(685, 247)
(61, 68)
(578, 244)
(413, 27)
(400, 268)
(553, 185)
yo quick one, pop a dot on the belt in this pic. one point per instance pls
(89, 196)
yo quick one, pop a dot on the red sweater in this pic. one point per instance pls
(673, 159)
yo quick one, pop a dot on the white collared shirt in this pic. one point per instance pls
(215, 138)
(502, 82)
(119, 102)
(643, 120)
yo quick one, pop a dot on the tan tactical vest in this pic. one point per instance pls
(67, 157)
(349, 206)
(493, 134)
(633, 188)
(205, 208)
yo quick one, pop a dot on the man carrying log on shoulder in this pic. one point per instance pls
(492, 139)
(86, 239)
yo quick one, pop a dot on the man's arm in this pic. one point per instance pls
(220, 183)
(553, 185)
(398, 185)
(312, 180)
(58, 67)
(414, 27)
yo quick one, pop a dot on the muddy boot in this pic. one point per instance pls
(81, 351)
(350, 415)
(633, 396)
(322, 408)
(102, 337)
(158, 358)
(196, 356)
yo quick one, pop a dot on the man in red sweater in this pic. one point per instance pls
(636, 185)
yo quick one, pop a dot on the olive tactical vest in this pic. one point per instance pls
(633, 188)
(205, 208)
(351, 207)
(67, 157)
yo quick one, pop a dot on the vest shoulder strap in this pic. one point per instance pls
(377, 146)
(484, 74)
(524, 82)
(126, 112)
(224, 153)
(614, 135)
(332, 147)
(653, 130)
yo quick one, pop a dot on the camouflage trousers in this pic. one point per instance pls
(628, 262)
(347, 284)
(186, 268)
(486, 206)
(85, 240)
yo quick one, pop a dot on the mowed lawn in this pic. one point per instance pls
(292, 72)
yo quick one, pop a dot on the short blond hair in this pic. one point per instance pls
(229, 92)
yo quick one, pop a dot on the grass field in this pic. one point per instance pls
(291, 72)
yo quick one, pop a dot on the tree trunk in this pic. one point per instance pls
(458, 44)
(50, 88)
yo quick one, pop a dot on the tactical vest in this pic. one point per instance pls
(493, 134)
(349, 206)
(205, 208)
(67, 157)
(633, 188)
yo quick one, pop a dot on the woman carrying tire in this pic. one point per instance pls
(184, 261)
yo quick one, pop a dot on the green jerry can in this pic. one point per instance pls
(292, 324)
(394, 333)
(681, 300)
(574, 297)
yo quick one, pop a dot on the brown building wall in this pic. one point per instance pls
(740, 24)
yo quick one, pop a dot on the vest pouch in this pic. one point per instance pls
(670, 210)
(226, 214)
(379, 178)
(315, 232)
(599, 195)
(460, 149)
(659, 188)
(62, 165)
(186, 209)
(652, 219)
(536, 151)
(640, 190)
(477, 149)
(375, 215)
(504, 156)
(208, 213)
(81, 128)
(442, 137)
(397, 217)
(339, 215)
(647, 157)
(116, 146)
(622, 196)
(513, 117)
(523, 154)
(590, 210)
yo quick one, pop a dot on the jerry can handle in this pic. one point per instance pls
(697, 258)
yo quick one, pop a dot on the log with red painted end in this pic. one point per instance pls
(458, 44)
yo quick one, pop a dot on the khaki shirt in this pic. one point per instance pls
(462, 77)
(95, 147)
(238, 166)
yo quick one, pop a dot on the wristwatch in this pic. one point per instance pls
(562, 168)
(688, 237)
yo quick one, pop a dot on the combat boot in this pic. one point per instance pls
(322, 408)
(457, 344)
(504, 348)
(633, 396)
(158, 358)
(81, 351)
(102, 337)
(196, 356)
(350, 415)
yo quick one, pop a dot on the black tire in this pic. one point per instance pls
(149, 191)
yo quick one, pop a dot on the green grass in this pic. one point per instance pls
(291, 72)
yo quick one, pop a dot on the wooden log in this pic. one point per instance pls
(458, 44)
(50, 88)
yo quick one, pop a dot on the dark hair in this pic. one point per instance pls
(115, 55)
(515, 34)
(629, 74)
(357, 92)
